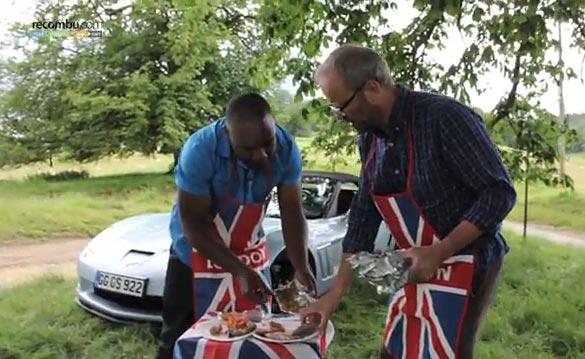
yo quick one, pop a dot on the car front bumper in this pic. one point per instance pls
(110, 310)
(118, 307)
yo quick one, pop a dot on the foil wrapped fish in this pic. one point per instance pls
(292, 296)
(387, 270)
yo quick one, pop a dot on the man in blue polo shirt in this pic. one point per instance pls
(219, 256)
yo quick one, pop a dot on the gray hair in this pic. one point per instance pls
(356, 65)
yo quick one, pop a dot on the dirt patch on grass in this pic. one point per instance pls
(549, 233)
(26, 260)
(23, 262)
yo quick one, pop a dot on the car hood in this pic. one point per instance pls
(147, 233)
(150, 233)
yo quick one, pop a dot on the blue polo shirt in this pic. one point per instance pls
(203, 169)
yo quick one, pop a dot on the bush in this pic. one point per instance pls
(60, 176)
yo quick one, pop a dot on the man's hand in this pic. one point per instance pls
(324, 306)
(425, 262)
(319, 311)
(253, 285)
(306, 278)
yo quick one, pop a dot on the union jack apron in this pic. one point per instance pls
(214, 289)
(192, 345)
(424, 320)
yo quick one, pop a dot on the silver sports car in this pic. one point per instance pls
(122, 270)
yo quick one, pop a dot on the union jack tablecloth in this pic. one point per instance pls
(192, 345)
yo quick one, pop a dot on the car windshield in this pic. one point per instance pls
(317, 193)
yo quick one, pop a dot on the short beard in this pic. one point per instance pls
(372, 120)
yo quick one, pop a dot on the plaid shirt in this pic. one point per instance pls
(458, 172)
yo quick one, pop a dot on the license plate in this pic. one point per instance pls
(135, 287)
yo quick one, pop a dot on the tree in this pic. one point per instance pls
(512, 36)
(532, 157)
(163, 69)
(158, 73)
(562, 115)
(32, 110)
(576, 122)
(288, 113)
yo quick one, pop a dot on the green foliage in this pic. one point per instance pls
(289, 114)
(163, 69)
(157, 74)
(534, 148)
(59, 176)
(12, 153)
(512, 36)
(577, 123)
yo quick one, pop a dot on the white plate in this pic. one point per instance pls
(135, 287)
(202, 329)
(289, 324)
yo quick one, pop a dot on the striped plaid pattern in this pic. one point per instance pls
(458, 172)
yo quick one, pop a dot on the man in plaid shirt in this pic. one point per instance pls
(430, 171)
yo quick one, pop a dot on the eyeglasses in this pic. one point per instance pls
(346, 103)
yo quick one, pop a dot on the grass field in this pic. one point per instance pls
(555, 206)
(560, 208)
(39, 209)
(538, 313)
(34, 208)
(106, 167)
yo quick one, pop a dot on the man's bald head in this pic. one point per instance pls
(357, 81)
(249, 107)
(251, 129)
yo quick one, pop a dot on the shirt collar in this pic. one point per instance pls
(400, 106)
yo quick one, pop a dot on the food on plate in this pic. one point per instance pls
(235, 320)
(277, 327)
(270, 327)
(278, 336)
(276, 331)
(233, 324)
(218, 330)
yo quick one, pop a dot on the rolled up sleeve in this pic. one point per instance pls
(474, 159)
(294, 168)
(194, 169)
(364, 218)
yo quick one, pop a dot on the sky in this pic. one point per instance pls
(496, 84)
